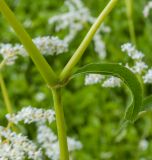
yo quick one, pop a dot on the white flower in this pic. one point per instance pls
(17, 146)
(106, 155)
(148, 77)
(74, 144)
(49, 142)
(8, 53)
(112, 82)
(132, 51)
(27, 23)
(99, 45)
(40, 96)
(50, 45)
(143, 144)
(47, 45)
(139, 67)
(93, 79)
(75, 19)
(147, 9)
(31, 114)
(77, 15)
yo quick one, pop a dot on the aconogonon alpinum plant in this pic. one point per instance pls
(95, 73)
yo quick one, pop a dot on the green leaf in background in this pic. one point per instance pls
(147, 103)
(147, 106)
(125, 75)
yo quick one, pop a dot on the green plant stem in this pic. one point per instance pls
(84, 44)
(40, 62)
(129, 7)
(5, 95)
(7, 101)
(64, 154)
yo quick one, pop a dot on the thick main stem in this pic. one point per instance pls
(64, 154)
(129, 6)
(84, 44)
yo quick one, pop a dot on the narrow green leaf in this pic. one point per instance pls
(126, 76)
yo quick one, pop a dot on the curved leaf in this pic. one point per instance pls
(125, 75)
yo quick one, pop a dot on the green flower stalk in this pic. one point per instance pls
(129, 8)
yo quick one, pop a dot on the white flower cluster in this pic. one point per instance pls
(143, 144)
(111, 81)
(99, 46)
(106, 155)
(49, 142)
(74, 144)
(46, 139)
(8, 52)
(17, 147)
(51, 45)
(77, 13)
(106, 82)
(93, 79)
(148, 76)
(139, 66)
(47, 46)
(75, 20)
(31, 114)
(147, 9)
(132, 51)
(40, 96)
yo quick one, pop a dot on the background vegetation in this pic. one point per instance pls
(92, 113)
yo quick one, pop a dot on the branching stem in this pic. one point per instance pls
(86, 41)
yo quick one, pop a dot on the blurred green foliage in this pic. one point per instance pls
(92, 113)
